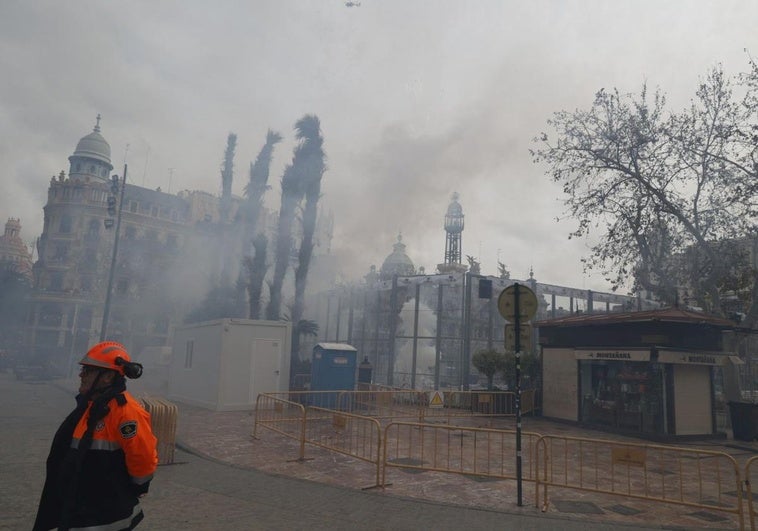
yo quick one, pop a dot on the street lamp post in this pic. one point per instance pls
(120, 189)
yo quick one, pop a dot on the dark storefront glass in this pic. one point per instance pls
(622, 395)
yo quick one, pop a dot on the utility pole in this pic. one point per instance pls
(120, 189)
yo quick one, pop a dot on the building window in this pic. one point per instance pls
(132, 206)
(154, 212)
(93, 229)
(61, 253)
(189, 351)
(99, 196)
(130, 233)
(50, 315)
(65, 225)
(84, 320)
(56, 281)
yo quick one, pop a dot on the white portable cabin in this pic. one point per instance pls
(224, 364)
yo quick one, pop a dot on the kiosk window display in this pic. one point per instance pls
(624, 395)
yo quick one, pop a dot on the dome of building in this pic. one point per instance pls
(397, 262)
(94, 146)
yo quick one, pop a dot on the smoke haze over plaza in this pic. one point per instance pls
(417, 100)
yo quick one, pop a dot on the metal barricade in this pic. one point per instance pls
(396, 404)
(346, 433)
(749, 491)
(459, 450)
(383, 404)
(163, 418)
(657, 473)
(478, 404)
(281, 416)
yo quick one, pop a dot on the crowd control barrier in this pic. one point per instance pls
(666, 474)
(749, 490)
(281, 416)
(346, 433)
(459, 450)
(163, 417)
(477, 404)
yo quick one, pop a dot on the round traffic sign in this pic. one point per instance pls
(527, 303)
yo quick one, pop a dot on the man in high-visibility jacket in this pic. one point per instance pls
(103, 456)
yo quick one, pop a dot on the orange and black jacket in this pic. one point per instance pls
(102, 459)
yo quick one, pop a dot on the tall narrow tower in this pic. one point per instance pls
(453, 230)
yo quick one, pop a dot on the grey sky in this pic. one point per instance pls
(417, 100)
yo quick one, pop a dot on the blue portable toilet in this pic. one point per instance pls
(333, 368)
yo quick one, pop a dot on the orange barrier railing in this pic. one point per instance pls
(384, 404)
(416, 405)
(477, 404)
(163, 417)
(346, 433)
(281, 416)
(459, 450)
(749, 491)
(656, 473)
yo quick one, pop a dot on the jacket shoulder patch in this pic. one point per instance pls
(128, 429)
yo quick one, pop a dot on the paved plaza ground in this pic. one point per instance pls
(222, 478)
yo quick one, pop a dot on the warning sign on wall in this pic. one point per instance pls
(436, 399)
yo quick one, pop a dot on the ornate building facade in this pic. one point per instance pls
(75, 252)
(171, 250)
(14, 254)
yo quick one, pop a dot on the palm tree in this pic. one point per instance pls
(227, 171)
(257, 186)
(256, 271)
(313, 166)
(292, 194)
(304, 327)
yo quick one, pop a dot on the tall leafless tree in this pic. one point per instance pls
(657, 183)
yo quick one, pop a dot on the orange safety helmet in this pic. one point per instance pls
(107, 355)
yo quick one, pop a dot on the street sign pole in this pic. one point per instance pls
(517, 303)
(517, 325)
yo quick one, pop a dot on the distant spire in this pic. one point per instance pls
(97, 125)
